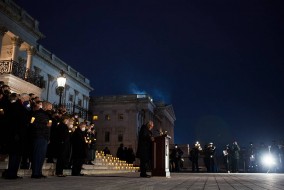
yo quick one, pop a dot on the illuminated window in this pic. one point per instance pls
(107, 117)
(107, 134)
(95, 118)
(120, 116)
(120, 138)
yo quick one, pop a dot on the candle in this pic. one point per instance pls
(33, 119)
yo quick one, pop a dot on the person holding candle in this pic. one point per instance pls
(79, 149)
(40, 135)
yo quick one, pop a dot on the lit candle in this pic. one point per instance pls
(33, 119)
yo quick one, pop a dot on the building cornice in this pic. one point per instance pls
(61, 65)
(21, 17)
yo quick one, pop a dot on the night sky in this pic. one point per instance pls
(219, 63)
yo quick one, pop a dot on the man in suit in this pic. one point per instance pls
(144, 150)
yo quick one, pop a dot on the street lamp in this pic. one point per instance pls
(61, 81)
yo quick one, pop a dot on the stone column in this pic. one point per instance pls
(49, 79)
(3, 30)
(75, 93)
(67, 87)
(87, 106)
(16, 43)
(83, 103)
(87, 103)
(30, 52)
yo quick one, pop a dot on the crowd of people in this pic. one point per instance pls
(262, 158)
(176, 159)
(125, 154)
(32, 130)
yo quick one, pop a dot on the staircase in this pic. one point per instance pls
(103, 164)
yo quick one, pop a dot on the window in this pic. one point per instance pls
(107, 134)
(107, 117)
(95, 118)
(70, 97)
(79, 102)
(120, 116)
(120, 138)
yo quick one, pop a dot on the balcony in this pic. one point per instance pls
(76, 109)
(19, 70)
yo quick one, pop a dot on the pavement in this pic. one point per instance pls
(132, 181)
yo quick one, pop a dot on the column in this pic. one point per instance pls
(30, 52)
(87, 102)
(74, 104)
(67, 87)
(3, 30)
(83, 103)
(86, 105)
(49, 79)
(16, 43)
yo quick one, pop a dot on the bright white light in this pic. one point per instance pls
(268, 160)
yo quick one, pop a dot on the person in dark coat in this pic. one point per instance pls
(4, 104)
(79, 149)
(209, 157)
(62, 142)
(41, 123)
(17, 119)
(106, 151)
(235, 157)
(130, 158)
(194, 155)
(120, 153)
(144, 150)
(91, 138)
(227, 158)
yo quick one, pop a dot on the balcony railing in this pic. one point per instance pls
(19, 70)
(75, 109)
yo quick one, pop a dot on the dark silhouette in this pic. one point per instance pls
(144, 150)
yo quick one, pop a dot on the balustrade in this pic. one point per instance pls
(19, 70)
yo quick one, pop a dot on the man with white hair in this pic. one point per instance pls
(144, 150)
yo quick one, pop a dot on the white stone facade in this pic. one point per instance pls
(118, 119)
(19, 34)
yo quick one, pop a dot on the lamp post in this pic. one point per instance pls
(61, 81)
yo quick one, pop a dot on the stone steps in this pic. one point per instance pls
(102, 165)
(49, 170)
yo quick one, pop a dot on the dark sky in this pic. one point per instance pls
(219, 63)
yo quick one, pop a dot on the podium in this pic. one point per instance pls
(160, 160)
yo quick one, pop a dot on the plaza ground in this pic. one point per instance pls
(129, 181)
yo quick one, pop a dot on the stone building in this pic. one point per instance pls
(27, 67)
(118, 119)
